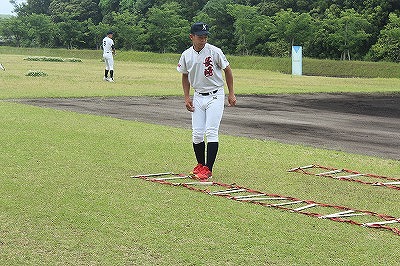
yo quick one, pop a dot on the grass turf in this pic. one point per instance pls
(67, 198)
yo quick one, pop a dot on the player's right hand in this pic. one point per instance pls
(189, 105)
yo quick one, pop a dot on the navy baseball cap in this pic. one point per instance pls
(200, 29)
(110, 32)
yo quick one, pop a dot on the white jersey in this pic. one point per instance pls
(108, 45)
(204, 68)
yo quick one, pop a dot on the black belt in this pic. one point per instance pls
(208, 93)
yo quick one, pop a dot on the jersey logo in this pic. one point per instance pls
(208, 71)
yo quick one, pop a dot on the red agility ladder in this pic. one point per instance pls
(348, 175)
(308, 207)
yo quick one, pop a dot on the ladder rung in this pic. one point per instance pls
(206, 183)
(337, 214)
(255, 199)
(288, 203)
(227, 191)
(348, 176)
(171, 178)
(385, 184)
(331, 172)
(350, 214)
(248, 196)
(382, 223)
(305, 207)
(150, 175)
(301, 167)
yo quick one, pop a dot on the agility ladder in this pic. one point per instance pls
(238, 193)
(348, 175)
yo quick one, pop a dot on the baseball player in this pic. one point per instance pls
(202, 66)
(108, 56)
(2, 67)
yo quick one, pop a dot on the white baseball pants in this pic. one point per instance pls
(207, 116)
(109, 61)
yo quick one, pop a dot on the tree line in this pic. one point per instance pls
(329, 29)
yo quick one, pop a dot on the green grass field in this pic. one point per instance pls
(66, 196)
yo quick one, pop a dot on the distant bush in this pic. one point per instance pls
(52, 59)
(35, 73)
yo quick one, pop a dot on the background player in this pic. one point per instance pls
(201, 66)
(108, 56)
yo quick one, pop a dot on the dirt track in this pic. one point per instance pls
(355, 123)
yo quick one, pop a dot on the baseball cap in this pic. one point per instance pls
(200, 29)
(110, 32)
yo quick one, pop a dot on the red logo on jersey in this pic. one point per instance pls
(208, 71)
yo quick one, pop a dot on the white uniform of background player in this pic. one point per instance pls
(201, 66)
(108, 56)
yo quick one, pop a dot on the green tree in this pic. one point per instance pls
(190, 8)
(97, 33)
(348, 33)
(165, 28)
(252, 31)
(388, 46)
(293, 28)
(31, 7)
(36, 30)
(15, 30)
(221, 22)
(129, 30)
(71, 34)
(108, 6)
(41, 30)
(80, 10)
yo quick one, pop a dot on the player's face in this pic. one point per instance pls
(198, 41)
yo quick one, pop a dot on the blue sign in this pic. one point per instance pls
(297, 60)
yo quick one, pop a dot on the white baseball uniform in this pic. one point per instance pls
(205, 75)
(108, 45)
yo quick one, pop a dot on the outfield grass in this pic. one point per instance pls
(66, 196)
(81, 79)
(311, 67)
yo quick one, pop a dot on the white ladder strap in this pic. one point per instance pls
(330, 172)
(150, 175)
(227, 191)
(288, 203)
(388, 183)
(206, 183)
(348, 176)
(301, 167)
(337, 214)
(171, 178)
(248, 196)
(352, 214)
(305, 207)
(382, 223)
(256, 199)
